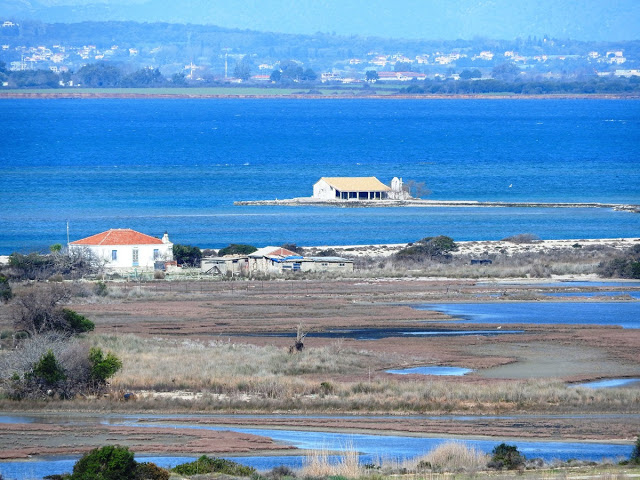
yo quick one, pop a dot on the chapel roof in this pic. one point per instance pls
(356, 184)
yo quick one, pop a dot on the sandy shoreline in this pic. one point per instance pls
(483, 247)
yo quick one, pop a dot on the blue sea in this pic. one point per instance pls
(178, 165)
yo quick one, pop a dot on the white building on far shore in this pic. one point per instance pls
(358, 188)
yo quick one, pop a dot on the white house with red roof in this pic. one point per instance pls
(126, 249)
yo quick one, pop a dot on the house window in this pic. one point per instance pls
(114, 255)
(156, 253)
(135, 257)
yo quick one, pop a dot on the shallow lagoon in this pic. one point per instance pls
(609, 383)
(624, 314)
(438, 371)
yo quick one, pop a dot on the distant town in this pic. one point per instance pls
(126, 54)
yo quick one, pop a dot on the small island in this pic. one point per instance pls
(371, 192)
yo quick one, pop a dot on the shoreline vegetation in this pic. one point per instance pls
(251, 93)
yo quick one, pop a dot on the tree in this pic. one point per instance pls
(416, 189)
(106, 463)
(275, 76)
(469, 74)
(48, 370)
(99, 74)
(178, 80)
(625, 265)
(634, 459)
(402, 67)
(76, 323)
(236, 249)
(36, 310)
(428, 247)
(55, 248)
(507, 72)
(243, 68)
(5, 289)
(371, 76)
(187, 254)
(145, 77)
(103, 367)
(308, 75)
(506, 456)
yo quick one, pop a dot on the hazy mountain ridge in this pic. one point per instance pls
(585, 20)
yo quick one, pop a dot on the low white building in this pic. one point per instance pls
(125, 249)
(350, 188)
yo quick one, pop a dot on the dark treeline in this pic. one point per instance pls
(96, 75)
(589, 86)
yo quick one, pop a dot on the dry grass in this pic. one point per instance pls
(252, 377)
(318, 463)
(452, 457)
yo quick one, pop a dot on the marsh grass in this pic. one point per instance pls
(319, 463)
(245, 376)
(452, 457)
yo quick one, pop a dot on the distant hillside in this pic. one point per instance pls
(505, 19)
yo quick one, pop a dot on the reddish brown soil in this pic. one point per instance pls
(23, 440)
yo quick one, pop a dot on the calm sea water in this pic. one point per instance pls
(178, 165)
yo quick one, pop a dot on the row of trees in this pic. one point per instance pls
(533, 87)
(95, 75)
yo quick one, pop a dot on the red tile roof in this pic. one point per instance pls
(119, 236)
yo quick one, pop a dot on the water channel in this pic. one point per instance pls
(623, 314)
(373, 448)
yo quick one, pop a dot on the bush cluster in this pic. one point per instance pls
(37, 310)
(626, 265)
(55, 365)
(236, 249)
(506, 456)
(206, 464)
(37, 266)
(187, 255)
(113, 463)
(428, 247)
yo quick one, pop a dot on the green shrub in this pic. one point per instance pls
(103, 367)
(627, 265)
(101, 289)
(5, 289)
(635, 453)
(106, 463)
(186, 254)
(150, 471)
(428, 247)
(506, 456)
(77, 323)
(48, 370)
(236, 249)
(214, 465)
